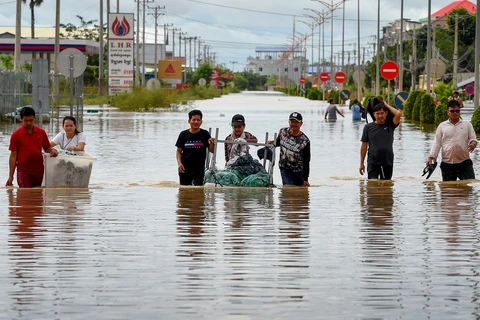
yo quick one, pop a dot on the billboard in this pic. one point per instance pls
(170, 71)
(120, 52)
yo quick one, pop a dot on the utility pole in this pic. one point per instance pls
(199, 52)
(195, 53)
(185, 69)
(377, 65)
(429, 45)
(233, 65)
(190, 53)
(173, 41)
(18, 36)
(143, 40)
(165, 39)
(414, 59)
(137, 47)
(156, 14)
(57, 45)
(100, 57)
(455, 55)
(400, 55)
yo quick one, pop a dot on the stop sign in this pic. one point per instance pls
(324, 77)
(389, 70)
(302, 80)
(340, 77)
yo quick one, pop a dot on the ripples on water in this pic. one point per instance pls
(135, 246)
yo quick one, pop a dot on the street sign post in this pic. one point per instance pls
(400, 99)
(340, 77)
(389, 70)
(302, 80)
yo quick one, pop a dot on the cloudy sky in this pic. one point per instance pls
(234, 28)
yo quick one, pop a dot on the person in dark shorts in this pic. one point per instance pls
(456, 138)
(295, 153)
(26, 145)
(192, 145)
(377, 139)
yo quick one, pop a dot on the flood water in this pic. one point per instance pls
(136, 246)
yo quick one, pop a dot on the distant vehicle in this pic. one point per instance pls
(45, 115)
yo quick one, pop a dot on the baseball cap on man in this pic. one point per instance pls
(238, 120)
(296, 116)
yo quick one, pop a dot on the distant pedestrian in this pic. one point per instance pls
(295, 154)
(457, 97)
(192, 145)
(456, 138)
(332, 111)
(26, 145)
(357, 110)
(377, 139)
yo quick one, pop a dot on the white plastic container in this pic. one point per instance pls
(66, 170)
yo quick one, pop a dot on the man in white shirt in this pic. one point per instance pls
(456, 138)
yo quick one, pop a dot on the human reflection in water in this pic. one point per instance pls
(191, 215)
(380, 269)
(294, 239)
(458, 202)
(25, 210)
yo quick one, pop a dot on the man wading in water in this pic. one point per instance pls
(377, 138)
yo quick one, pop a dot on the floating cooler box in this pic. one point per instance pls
(66, 170)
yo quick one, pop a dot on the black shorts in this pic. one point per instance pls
(462, 171)
(379, 172)
(191, 178)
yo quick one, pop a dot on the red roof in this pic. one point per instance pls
(470, 7)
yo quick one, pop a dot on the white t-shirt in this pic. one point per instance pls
(63, 142)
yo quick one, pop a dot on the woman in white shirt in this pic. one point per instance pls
(71, 139)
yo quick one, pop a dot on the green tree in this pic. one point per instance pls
(240, 81)
(32, 4)
(7, 62)
(272, 80)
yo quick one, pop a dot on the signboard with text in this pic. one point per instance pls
(120, 52)
(170, 71)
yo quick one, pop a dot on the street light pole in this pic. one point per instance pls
(331, 7)
(233, 65)
(429, 45)
(400, 76)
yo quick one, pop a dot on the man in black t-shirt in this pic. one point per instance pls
(377, 138)
(192, 147)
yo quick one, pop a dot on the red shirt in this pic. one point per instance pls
(29, 149)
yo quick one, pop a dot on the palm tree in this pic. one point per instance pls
(32, 4)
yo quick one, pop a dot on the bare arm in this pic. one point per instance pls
(340, 113)
(363, 154)
(397, 114)
(12, 164)
(211, 144)
(79, 147)
(181, 168)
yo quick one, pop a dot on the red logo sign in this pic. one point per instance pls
(324, 77)
(120, 28)
(469, 89)
(340, 77)
(389, 70)
(170, 69)
(302, 80)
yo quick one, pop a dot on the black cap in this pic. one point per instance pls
(296, 116)
(238, 120)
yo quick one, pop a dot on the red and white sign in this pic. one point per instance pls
(120, 52)
(389, 70)
(324, 77)
(302, 80)
(340, 77)
(469, 89)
